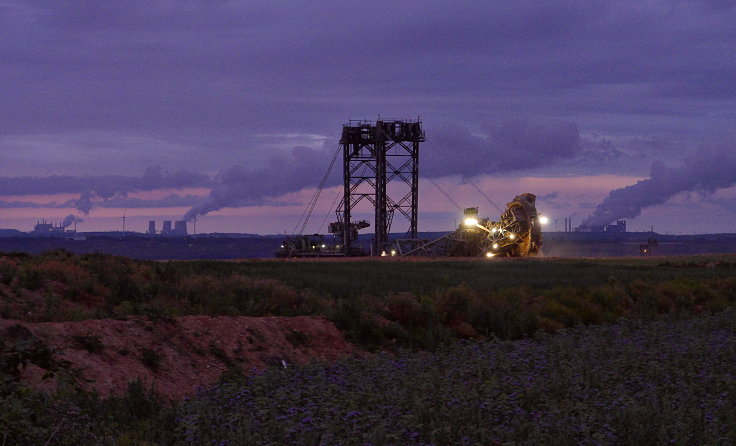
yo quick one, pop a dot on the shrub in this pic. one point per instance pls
(151, 358)
(89, 341)
(30, 277)
(297, 338)
(7, 272)
(453, 304)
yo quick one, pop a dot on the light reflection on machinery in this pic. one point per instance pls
(517, 233)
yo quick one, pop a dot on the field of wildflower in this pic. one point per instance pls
(663, 382)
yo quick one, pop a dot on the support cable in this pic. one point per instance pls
(313, 202)
(486, 197)
(332, 207)
(445, 194)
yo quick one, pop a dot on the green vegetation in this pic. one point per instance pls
(90, 342)
(151, 358)
(377, 304)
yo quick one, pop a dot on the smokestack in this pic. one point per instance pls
(180, 228)
(152, 227)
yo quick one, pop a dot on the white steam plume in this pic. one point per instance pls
(708, 170)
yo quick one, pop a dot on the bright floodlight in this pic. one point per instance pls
(393, 252)
(543, 220)
(493, 230)
(512, 236)
(471, 221)
(324, 246)
(495, 246)
(489, 254)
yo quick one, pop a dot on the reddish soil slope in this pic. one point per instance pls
(177, 355)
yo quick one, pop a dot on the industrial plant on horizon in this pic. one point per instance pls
(179, 229)
(45, 228)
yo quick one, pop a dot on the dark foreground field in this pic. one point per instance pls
(663, 382)
(567, 351)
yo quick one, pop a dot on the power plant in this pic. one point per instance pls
(179, 229)
(44, 228)
(47, 228)
(620, 226)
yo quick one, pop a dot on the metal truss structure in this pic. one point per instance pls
(381, 165)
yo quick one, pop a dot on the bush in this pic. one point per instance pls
(151, 358)
(297, 338)
(90, 342)
(7, 272)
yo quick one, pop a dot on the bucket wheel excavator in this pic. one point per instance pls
(517, 233)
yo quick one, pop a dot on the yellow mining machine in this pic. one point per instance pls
(517, 233)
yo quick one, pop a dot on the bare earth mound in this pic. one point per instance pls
(175, 355)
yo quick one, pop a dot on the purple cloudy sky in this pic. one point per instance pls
(232, 110)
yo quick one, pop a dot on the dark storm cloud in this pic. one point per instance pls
(212, 72)
(103, 186)
(172, 200)
(512, 146)
(708, 170)
(240, 187)
(193, 86)
(87, 203)
(93, 188)
(24, 204)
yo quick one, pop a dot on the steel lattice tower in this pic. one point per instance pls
(380, 164)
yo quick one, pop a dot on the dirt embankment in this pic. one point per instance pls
(174, 355)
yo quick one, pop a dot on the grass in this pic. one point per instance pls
(381, 304)
(643, 352)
